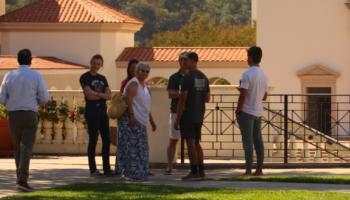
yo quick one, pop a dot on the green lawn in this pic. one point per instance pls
(136, 191)
(329, 179)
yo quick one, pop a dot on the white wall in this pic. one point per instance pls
(112, 45)
(232, 75)
(77, 47)
(299, 34)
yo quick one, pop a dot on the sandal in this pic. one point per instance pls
(168, 172)
(151, 173)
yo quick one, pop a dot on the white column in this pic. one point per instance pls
(318, 155)
(305, 153)
(69, 124)
(47, 135)
(330, 148)
(38, 134)
(80, 126)
(293, 149)
(279, 142)
(58, 126)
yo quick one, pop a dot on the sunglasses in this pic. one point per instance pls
(145, 71)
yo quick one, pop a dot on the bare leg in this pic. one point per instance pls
(192, 151)
(248, 172)
(199, 154)
(258, 172)
(171, 153)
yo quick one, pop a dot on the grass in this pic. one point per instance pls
(152, 192)
(329, 179)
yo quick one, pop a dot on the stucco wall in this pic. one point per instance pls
(58, 79)
(233, 75)
(296, 35)
(76, 47)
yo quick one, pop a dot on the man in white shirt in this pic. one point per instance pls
(253, 90)
(21, 92)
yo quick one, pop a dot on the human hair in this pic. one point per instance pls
(128, 69)
(181, 54)
(142, 65)
(24, 57)
(256, 53)
(98, 57)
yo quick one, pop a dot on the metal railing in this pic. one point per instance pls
(293, 125)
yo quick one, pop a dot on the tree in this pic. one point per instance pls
(222, 81)
(202, 34)
(170, 15)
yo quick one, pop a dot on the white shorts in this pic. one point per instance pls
(174, 134)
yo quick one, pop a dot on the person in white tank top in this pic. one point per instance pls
(132, 144)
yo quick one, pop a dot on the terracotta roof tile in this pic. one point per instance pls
(171, 54)
(39, 62)
(69, 11)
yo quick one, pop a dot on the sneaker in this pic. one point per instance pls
(24, 187)
(97, 174)
(202, 175)
(191, 177)
(133, 179)
(112, 174)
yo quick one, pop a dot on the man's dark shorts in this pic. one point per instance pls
(191, 130)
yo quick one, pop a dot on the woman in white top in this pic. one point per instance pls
(133, 151)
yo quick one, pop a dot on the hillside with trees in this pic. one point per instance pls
(161, 16)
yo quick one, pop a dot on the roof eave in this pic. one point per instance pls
(44, 26)
(201, 64)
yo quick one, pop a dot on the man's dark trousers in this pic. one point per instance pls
(23, 126)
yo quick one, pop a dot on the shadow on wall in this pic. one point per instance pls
(68, 87)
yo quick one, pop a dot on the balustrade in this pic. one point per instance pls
(293, 149)
(274, 123)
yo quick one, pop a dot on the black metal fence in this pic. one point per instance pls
(295, 128)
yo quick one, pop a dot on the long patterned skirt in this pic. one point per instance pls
(132, 150)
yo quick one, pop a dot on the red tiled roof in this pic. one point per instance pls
(69, 11)
(40, 62)
(171, 54)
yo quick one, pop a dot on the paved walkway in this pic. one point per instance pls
(48, 172)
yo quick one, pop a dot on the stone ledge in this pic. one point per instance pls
(266, 166)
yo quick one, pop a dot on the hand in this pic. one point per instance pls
(154, 127)
(176, 124)
(237, 116)
(91, 92)
(133, 121)
(239, 89)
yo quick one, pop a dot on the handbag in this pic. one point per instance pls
(117, 106)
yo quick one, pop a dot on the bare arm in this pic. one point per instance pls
(173, 94)
(107, 95)
(265, 96)
(153, 124)
(207, 97)
(241, 100)
(180, 108)
(130, 94)
(90, 94)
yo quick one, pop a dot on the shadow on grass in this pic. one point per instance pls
(123, 191)
(325, 179)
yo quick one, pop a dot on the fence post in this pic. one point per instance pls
(285, 129)
(182, 151)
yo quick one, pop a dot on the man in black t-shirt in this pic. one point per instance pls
(190, 114)
(174, 94)
(96, 83)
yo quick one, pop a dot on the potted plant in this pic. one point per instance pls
(6, 143)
